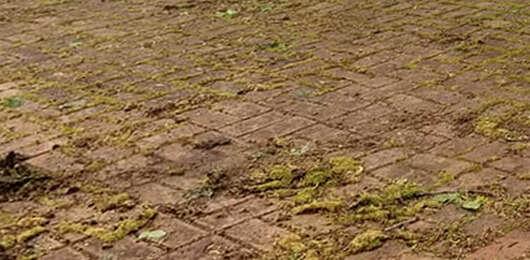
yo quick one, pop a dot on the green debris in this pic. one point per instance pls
(229, 13)
(447, 197)
(152, 234)
(317, 206)
(12, 102)
(266, 7)
(366, 241)
(201, 192)
(474, 204)
(301, 151)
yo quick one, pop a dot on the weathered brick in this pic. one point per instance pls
(257, 233)
(511, 246)
(232, 215)
(279, 129)
(253, 124)
(179, 233)
(64, 254)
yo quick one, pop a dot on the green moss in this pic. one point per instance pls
(317, 177)
(8, 241)
(283, 173)
(317, 206)
(124, 228)
(371, 213)
(272, 185)
(366, 241)
(177, 171)
(30, 233)
(32, 221)
(115, 201)
(489, 126)
(292, 243)
(71, 227)
(346, 166)
(305, 195)
(444, 177)
(399, 190)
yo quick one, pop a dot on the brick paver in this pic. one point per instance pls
(141, 116)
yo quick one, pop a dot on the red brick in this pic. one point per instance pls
(322, 134)
(491, 151)
(436, 164)
(232, 215)
(385, 157)
(240, 109)
(514, 245)
(157, 194)
(64, 254)
(311, 110)
(169, 136)
(279, 129)
(459, 146)
(257, 233)
(253, 124)
(336, 100)
(210, 119)
(126, 248)
(56, 163)
(211, 247)
(179, 233)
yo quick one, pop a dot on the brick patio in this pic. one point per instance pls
(146, 98)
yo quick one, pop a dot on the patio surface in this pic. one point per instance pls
(289, 129)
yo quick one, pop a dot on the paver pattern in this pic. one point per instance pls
(133, 116)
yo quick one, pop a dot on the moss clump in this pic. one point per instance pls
(524, 176)
(401, 190)
(279, 177)
(124, 228)
(113, 202)
(30, 233)
(369, 213)
(366, 241)
(8, 242)
(346, 166)
(317, 177)
(32, 221)
(317, 206)
(272, 185)
(305, 195)
(292, 243)
(282, 173)
(489, 126)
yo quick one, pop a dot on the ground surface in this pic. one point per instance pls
(291, 129)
